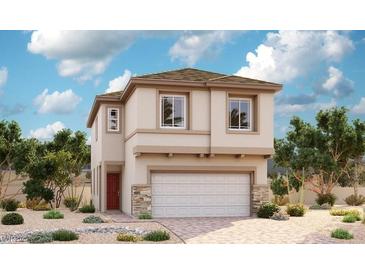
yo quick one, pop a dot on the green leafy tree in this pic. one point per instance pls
(57, 162)
(321, 155)
(10, 140)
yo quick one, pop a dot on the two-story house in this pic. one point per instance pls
(183, 143)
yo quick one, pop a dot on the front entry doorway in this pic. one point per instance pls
(112, 190)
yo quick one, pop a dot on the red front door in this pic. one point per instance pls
(112, 190)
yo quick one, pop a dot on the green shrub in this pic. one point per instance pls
(323, 206)
(296, 210)
(90, 208)
(10, 204)
(266, 210)
(12, 219)
(40, 238)
(328, 198)
(64, 235)
(127, 237)
(35, 190)
(340, 233)
(70, 202)
(92, 220)
(157, 236)
(145, 215)
(343, 212)
(53, 214)
(355, 200)
(279, 186)
(349, 218)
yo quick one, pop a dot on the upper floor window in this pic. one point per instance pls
(113, 119)
(240, 114)
(173, 111)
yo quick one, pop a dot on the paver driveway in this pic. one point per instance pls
(314, 227)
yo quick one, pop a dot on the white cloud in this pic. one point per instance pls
(3, 76)
(290, 109)
(120, 82)
(285, 55)
(192, 46)
(56, 102)
(46, 133)
(336, 84)
(81, 54)
(360, 107)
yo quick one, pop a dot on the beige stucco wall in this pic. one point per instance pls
(137, 168)
(310, 197)
(109, 147)
(219, 135)
(130, 114)
(207, 128)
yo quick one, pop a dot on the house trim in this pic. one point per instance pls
(139, 149)
(166, 131)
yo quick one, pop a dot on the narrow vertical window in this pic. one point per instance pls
(173, 111)
(113, 119)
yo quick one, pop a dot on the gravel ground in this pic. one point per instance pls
(88, 233)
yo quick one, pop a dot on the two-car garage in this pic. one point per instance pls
(200, 194)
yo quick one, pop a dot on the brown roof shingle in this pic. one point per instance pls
(186, 74)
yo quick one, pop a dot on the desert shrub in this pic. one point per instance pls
(145, 215)
(12, 219)
(266, 210)
(328, 198)
(9, 204)
(127, 237)
(340, 233)
(35, 190)
(297, 210)
(343, 212)
(22, 205)
(88, 208)
(64, 235)
(70, 202)
(280, 200)
(157, 236)
(323, 206)
(40, 238)
(349, 218)
(355, 200)
(53, 214)
(280, 216)
(42, 206)
(279, 186)
(92, 220)
(32, 203)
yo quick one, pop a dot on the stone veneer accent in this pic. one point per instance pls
(141, 199)
(260, 194)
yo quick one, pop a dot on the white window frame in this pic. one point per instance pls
(110, 109)
(249, 100)
(184, 111)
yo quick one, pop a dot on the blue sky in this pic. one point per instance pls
(48, 79)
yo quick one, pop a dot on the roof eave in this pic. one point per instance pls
(95, 107)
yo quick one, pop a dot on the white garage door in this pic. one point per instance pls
(200, 195)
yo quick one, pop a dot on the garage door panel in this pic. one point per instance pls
(200, 194)
(200, 189)
(200, 211)
(196, 200)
